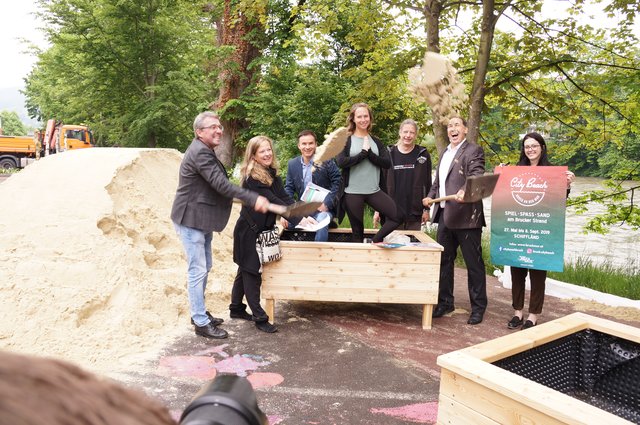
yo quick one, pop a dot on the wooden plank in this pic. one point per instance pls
(427, 311)
(406, 297)
(371, 296)
(518, 342)
(270, 309)
(515, 343)
(450, 412)
(285, 267)
(609, 327)
(483, 404)
(362, 287)
(505, 396)
(358, 254)
(331, 281)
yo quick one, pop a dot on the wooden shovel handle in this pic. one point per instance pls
(277, 209)
(444, 198)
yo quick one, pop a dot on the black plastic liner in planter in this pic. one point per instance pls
(300, 236)
(591, 366)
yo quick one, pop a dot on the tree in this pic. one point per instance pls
(11, 125)
(128, 69)
(241, 29)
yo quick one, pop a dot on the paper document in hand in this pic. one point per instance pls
(315, 227)
(314, 193)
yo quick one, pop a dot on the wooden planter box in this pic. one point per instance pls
(355, 272)
(475, 387)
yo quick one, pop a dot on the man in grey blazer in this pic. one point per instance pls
(202, 206)
(459, 224)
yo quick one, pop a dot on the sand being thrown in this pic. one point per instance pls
(91, 270)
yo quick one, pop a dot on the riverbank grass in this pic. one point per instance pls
(607, 278)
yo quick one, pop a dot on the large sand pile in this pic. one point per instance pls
(91, 269)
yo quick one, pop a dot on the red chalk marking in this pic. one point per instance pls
(274, 419)
(175, 414)
(191, 366)
(264, 379)
(238, 365)
(218, 349)
(422, 413)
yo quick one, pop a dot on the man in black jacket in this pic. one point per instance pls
(202, 206)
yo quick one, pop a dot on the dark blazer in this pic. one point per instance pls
(326, 176)
(468, 161)
(205, 195)
(244, 236)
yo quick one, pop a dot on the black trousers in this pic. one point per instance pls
(247, 285)
(379, 201)
(469, 241)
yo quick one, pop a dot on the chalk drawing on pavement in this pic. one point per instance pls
(199, 367)
(421, 413)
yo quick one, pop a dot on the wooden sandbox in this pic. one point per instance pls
(488, 384)
(354, 272)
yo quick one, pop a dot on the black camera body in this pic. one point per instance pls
(227, 400)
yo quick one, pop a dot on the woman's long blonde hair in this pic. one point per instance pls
(251, 168)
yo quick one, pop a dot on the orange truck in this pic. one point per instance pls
(18, 151)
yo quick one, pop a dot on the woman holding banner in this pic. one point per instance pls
(532, 153)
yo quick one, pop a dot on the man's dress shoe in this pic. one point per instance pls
(441, 310)
(210, 331)
(475, 318)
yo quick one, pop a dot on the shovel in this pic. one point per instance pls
(475, 189)
(298, 209)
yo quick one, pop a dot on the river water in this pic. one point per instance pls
(620, 247)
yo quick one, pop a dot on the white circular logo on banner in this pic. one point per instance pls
(528, 189)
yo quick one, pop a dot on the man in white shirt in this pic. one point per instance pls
(459, 224)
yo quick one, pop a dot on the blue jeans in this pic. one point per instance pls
(197, 247)
(322, 235)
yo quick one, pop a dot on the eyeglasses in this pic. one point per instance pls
(531, 147)
(213, 127)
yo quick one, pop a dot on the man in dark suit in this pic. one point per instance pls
(300, 172)
(202, 206)
(459, 224)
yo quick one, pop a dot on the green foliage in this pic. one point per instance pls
(138, 72)
(619, 204)
(127, 69)
(290, 99)
(11, 124)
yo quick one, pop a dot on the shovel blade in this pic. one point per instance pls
(301, 209)
(478, 187)
(298, 209)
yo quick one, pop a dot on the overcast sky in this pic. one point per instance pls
(17, 23)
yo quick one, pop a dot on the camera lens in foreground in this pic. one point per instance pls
(227, 400)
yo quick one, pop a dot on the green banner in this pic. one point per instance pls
(528, 217)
